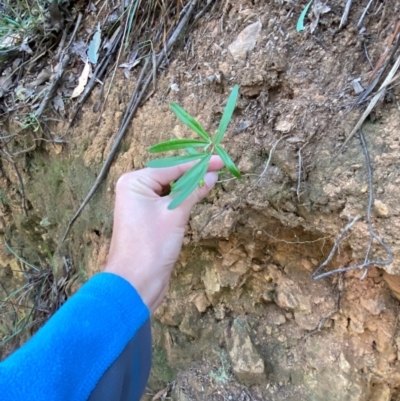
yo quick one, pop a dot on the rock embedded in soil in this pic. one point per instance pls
(247, 364)
(245, 41)
(381, 209)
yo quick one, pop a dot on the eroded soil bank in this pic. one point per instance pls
(243, 319)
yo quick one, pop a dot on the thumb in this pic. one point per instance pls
(201, 191)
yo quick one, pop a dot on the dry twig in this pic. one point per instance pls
(345, 15)
(52, 88)
(384, 55)
(300, 170)
(374, 100)
(364, 13)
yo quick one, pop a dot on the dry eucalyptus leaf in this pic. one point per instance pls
(82, 80)
(318, 9)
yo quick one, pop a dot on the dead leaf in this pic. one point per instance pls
(318, 9)
(110, 42)
(43, 76)
(11, 40)
(23, 94)
(82, 80)
(58, 104)
(57, 148)
(79, 48)
(357, 86)
(133, 61)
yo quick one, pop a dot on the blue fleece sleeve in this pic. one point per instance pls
(68, 356)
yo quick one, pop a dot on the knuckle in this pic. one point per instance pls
(124, 181)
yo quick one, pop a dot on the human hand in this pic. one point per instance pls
(147, 237)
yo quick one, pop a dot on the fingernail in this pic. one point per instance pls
(210, 179)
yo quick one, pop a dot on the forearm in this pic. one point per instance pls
(70, 355)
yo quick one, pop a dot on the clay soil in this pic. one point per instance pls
(253, 244)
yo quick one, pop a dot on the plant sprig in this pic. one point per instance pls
(197, 150)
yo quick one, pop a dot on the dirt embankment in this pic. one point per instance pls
(243, 319)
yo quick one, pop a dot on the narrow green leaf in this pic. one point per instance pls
(192, 151)
(227, 115)
(230, 165)
(185, 193)
(300, 21)
(94, 46)
(176, 144)
(190, 174)
(132, 9)
(190, 121)
(173, 161)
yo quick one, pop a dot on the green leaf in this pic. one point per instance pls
(180, 184)
(94, 46)
(230, 165)
(173, 161)
(176, 144)
(132, 9)
(192, 185)
(226, 117)
(300, 21)
(190, 121)
(192, 151)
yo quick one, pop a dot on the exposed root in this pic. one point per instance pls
(35, 301)
(367, 262)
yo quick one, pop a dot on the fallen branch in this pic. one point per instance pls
(345, 15)
(64, 60)
(384, 55)
(374, 79)
(367, 262)
(97, 75)
(52, 88)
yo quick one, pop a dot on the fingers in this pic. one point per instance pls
(200, 192)
(164, 176)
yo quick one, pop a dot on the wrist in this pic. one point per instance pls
(151, 289)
